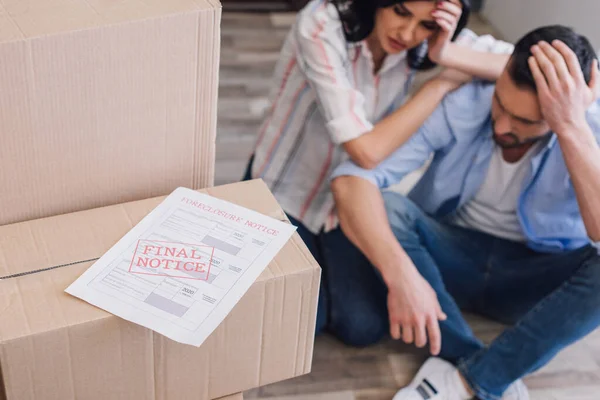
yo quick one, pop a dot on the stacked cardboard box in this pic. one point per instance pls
(103, 102)
(54, 346)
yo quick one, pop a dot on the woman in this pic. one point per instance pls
(341, 91)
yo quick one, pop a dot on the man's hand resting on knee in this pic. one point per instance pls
(413, 307)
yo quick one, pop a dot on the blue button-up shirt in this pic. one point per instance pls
(459, 136)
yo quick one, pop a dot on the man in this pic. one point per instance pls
(505, 223)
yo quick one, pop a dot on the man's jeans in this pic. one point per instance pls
(549, 300)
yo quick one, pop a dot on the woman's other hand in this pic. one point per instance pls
(446, 14)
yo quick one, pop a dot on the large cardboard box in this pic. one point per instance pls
(104, 101)
(56, 347)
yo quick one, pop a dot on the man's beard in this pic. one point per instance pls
(515, 142)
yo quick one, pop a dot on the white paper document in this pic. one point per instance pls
(183, 268)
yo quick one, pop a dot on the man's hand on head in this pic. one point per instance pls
(562, 91)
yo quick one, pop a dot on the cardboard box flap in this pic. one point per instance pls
(33, 18)
(67, 239)
(9, 30)
(87, 235)
(69, 244)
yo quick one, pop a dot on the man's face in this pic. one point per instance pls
(516, 114)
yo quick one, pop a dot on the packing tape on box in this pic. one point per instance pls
(47, 269)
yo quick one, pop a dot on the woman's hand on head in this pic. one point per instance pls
(446, 14)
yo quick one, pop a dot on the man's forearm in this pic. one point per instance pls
(582, 156)
(364, 221)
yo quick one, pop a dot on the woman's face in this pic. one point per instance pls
(405, 25)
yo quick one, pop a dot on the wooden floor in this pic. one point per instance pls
(250, 46)
(376, 373)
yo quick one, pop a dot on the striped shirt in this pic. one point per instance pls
(326, 94)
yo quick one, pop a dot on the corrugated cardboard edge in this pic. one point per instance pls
(202, 6)
(2, 389)
(306, 367)
(305, 338)
(204, 169)
(236, 396)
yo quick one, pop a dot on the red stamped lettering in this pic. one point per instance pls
(177, 260)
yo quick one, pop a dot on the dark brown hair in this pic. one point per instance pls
(518, 67)
(358, 21)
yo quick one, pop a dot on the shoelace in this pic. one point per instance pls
(426, 390)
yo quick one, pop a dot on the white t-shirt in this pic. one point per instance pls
(493, 210)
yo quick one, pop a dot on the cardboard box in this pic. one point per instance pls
(105, 101)
(237, 396)
(56, 347)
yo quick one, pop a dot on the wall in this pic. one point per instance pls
(514, 18)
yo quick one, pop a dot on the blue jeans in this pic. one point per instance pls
(341, 311)
(548, 300)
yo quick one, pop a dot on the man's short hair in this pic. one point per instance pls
(518, 68)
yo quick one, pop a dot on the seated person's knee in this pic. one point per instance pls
(362, 331)
(401, 211)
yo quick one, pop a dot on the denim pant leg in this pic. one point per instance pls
(248, 172)
(448, 258)
(358, 294)
(558, 317)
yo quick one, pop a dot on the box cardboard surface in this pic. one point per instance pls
(56, 347)
(237, 396)
(104, 102)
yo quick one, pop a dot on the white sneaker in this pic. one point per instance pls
(516, 391)
(436, 380)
